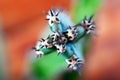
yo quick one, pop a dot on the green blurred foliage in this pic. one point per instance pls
(84, 8)
(48, 65)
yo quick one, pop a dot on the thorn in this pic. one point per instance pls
(37, 50)
(42, 39)
(79, 61)
(45, 46)
(37, 56)
(70, 27)
(58, 13)
(68, 65)
(39, 40)
(51, 12)
(48, 37)
(90, 19)
(85, 18)
(52, 22)
(59, 53)
(42, 46)
(57, 19)
(47, 19)
(75, 28)
(83, 21)
(34, 48)
(46, 13)
(40, 55)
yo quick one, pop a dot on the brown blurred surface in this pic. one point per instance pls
(103, 60)
(22, 22)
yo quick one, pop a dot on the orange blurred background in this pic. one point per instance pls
(22, 21)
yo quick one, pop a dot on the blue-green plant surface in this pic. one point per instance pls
(50, 65)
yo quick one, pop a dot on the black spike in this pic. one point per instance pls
(63, 46)
(70, 60)
(37, 56)
(68, 65)
(85, 18)
(76, 59)
(39, 40)
(42, 46)
(91, 17)
(73, 32)
(51, 12)
(34, 48)
(47, 14)
(66, 32)
(48, 37)
(52, 22)
(69, 37)
(59, 53)
(37, 50)
(40, 55)
(42, 39)
(47, 19)
(45, 46)
(75, 28)
(70, 27)
(79, 60)
(57, 13)
(84, 22)
(57, 19)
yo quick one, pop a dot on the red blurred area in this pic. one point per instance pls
(22, 22)
(103, 61)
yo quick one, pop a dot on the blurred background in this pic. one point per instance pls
(22, 23)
